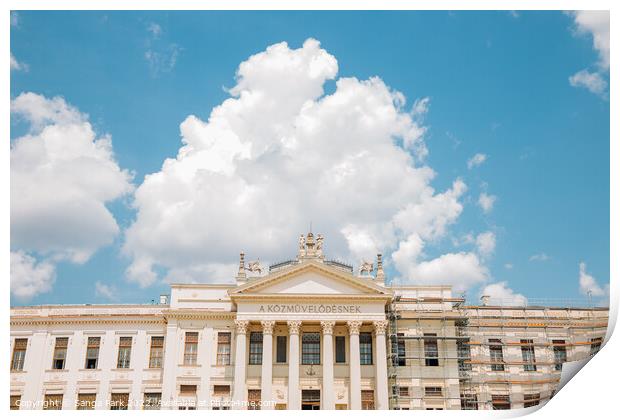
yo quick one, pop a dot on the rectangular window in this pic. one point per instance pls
(188, 390)
(256, 348)
(60, 353)
(119, 401)
(92, 352)
(431, 352)
(281, 349)
(311, 349)
(500, 402)
(529, 358)
(595, 345)
(497, 355)
(433, 391)
(52, 402)
(402, 350)
(86, 402)
(223, 348)
(464, 355)
(19, 354)
(124, 353)
(152, 401)
(190, 356)
(156, 357)
(469, 402)
(341, 351)
(559, 353)
(254, 398)
(15, 401)
(403, 391)
(365, 348)
(368, 399)
(530, 400)
(221, 391)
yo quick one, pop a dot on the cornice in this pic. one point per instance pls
(293, 297)
(182, 314)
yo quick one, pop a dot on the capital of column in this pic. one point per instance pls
(293, 327)
(328, 327)
(354, 327)
(380, 327)
(268, 327)
(241, 326)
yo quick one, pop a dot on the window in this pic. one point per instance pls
(365, 348)
(15, 401)
(431, 352)
(311, 349)
(497, 355)
(256, 348)
(19, 354)
(223, 348)
(156, 358)
(221, 391)
(188, 390)
(60, 353)
(124, 353)
(280, 406)
(500, 402)
(559, 353)
(281, 349)
(530, 400)
(191, 349)
(119, 401)
(595, 345)
(341, 406)
(184, 407)
(254, 397)
(152, 401)
(469, 402)
(52, 402)
(92, 352)
(433, 391)
(464, 355)
(86, 402)
(527, 352)
(403, 391)
(221, 397)
(402, 350)
(341, 351)
(368, 399)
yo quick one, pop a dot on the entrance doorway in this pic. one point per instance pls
(310, 399)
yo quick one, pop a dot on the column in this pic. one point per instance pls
(294, 394)
(355, 385)
(381, 374)
(327, 396)
(240, 360)
(171, 362)
(266, 381)
(139, 360)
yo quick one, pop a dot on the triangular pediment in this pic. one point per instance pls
(310, 278)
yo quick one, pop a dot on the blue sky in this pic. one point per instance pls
(497, 84)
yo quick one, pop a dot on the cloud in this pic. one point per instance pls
(594, 82)
(476, 160)
(62, 176)
(540, 257)
(485, 243)
(588, 284)
(508, 266)
(15, 19)
(108, 292)
(17, 65)
(29, 278)
(596, 24)
(486, 202)
(161, 55)
(278, 154)
(501, 294)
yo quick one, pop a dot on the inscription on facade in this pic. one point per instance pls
(311, 309)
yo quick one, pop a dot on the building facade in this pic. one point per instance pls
(308, 333)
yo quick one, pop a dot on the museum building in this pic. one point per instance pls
(308, 333)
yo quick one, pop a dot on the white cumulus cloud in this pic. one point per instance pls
(588, 284)
(18, 65)
(29, 278)
(501, 294)
(106, 291)
(279, 154)
(485, 243)
(476, 160)
(62, 176)
(540, 257)
(486, 202)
